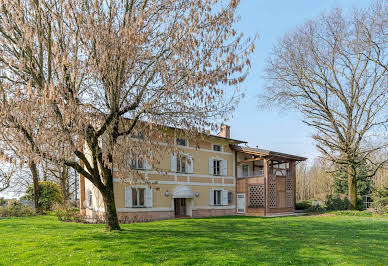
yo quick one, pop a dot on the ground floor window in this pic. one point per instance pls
(138, 197)
(217, 197)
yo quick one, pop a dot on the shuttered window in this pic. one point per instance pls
(217, 197)
(216, 167)
(138, 197)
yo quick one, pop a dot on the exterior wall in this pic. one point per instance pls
(200, 181)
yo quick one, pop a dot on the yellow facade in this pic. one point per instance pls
(201, 182)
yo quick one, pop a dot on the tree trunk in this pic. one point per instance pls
(35, 180)
(64, 181)
(111, 219)
(352, 187)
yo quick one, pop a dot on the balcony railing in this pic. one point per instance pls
(256, 173)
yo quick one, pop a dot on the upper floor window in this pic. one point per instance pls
(138, 197)
(137, 164)
(216, 167)
(245, 170)
(181, 142)
(216, 147)
(181, 164)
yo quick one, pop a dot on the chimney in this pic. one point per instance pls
(225, 131)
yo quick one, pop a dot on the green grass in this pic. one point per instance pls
(226, 240)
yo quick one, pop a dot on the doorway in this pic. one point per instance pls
(180, 207)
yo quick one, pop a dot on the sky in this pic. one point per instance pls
(277, 130)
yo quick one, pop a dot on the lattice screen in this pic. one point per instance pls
(272, 190)
(256, 196)
(289, 186)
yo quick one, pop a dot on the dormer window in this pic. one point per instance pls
(216, 147)
(181, 142)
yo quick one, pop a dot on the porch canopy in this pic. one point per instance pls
(182, 192)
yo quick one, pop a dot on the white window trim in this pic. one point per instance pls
(138, 197)
(187, 142)
(219, 167)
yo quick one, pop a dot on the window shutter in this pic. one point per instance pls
(173, 163)
(147, 166)
(211, 166)
(224, 167)
(128, 197)
(148, 197)
(190, 165)
(211, 197)
(224, 197)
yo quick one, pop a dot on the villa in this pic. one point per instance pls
(218, 176)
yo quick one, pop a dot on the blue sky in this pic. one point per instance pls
(278, 130)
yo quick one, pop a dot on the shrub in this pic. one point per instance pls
(70, 215)
(340, 202)
(316, 208)
(380, 201)
(50, 193)
(335, 202)
(16, 209)
(303, 205)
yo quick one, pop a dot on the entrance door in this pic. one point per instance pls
(241, 203)
(180, 207)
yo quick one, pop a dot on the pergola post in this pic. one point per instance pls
(293, 177)
(266, 174)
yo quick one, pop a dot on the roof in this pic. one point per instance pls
(265, 153)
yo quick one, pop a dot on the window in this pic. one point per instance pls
(137, 164)
(181, 142)
(181, 164)
(216, 147)
(216, 167)
(90, 198)
(230, 197)
(245, 170)
(138, 197)
(217, 197)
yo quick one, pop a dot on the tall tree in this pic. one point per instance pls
(97, 68)
(333, 69)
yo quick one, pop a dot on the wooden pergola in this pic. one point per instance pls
(270, 188)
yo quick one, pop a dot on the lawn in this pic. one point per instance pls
(225, 240)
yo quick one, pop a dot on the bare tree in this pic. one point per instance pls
(87, 72)
(5, 180)
(331, 70)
